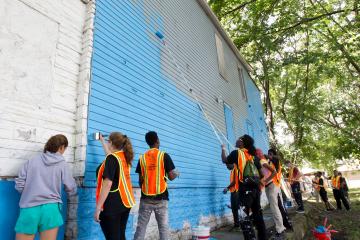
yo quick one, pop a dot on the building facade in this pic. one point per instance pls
(101, 66)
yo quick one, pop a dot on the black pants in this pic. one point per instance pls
(252, 201)
(296, 190)
(340, 196)
(234, 199)
(323, 195)
(284, 214)
(114, 226)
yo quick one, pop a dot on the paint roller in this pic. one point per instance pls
(96, 135)
(159, 35)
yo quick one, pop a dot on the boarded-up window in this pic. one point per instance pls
(242, 84)
(220, 56)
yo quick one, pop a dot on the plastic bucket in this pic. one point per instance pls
(322, 236)
(201, 232)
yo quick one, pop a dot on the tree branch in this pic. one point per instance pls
(311, 19)
(241, 6)
(283, 102)
(341, 47)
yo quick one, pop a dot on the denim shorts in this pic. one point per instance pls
(39, 218)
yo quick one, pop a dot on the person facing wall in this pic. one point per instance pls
(114, 192)
(40, 181)
(243, 158)
(154, 167)
(234, 193)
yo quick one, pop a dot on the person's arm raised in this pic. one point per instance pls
(104, 145)
(223, 153)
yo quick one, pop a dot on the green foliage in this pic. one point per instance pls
(305, 55)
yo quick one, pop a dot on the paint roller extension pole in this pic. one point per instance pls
(161, 37)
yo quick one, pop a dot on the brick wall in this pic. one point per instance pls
(41, 47)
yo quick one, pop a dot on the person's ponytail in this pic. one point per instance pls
(128, 150)
(121, 141)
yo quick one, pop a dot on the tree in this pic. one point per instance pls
(305, 56)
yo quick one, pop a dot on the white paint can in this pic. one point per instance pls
(201, 232)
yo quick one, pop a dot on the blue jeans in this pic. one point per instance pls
(160, 208)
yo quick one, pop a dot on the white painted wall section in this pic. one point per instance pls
(41, 44)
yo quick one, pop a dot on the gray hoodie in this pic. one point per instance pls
(40, 180)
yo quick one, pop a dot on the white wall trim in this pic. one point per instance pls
(84, 89)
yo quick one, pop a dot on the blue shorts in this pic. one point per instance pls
(39, 218)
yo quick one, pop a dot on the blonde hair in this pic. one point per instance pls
(121, 141)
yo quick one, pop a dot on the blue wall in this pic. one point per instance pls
(9, 205)
(229, 121)
(129, 93)
(255, 123)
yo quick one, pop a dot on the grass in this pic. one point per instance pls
(346, 222)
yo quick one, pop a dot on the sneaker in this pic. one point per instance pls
(300, 211)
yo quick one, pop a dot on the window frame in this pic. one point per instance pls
(242, 83)
(220, 56)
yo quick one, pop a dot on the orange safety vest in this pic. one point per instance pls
(153, 172)
(124, 186)
(291, 175)
(335, 182)
(243, 157)
(234, 176)
(277, 178)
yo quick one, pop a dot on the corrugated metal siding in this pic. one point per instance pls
(135, 88)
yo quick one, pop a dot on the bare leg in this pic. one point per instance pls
(22, 236)
(49, 234)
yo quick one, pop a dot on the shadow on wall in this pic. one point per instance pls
(9, 206)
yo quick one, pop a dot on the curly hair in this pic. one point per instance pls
(249, 144)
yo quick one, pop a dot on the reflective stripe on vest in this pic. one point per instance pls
(234, 176)
(277, 178)
(124, 185)
(243, 157)
(291, 175)
(153, 172)
(335, 181)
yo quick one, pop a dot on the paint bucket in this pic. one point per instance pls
(201, 232)
(322, 236)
